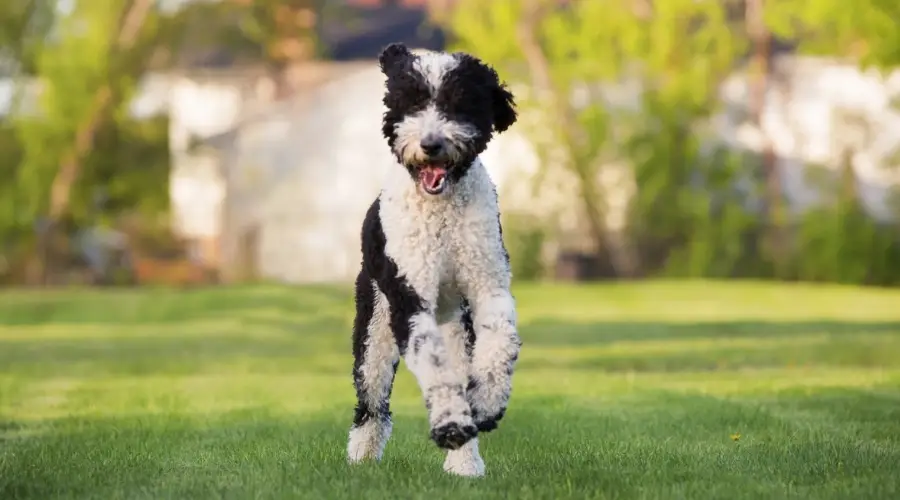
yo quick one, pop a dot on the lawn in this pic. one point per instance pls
(653, 390)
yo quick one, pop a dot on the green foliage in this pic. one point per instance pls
(866, 30)
(524, 239)
(12, 223)
(840, 242)
(132, 174)
(688, 217)
(126, 168)
(24, 25)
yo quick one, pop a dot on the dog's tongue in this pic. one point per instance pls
(432, 176)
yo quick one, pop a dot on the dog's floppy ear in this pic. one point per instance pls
(394, 56)
(504, 106)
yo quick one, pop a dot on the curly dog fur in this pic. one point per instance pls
(434, 287)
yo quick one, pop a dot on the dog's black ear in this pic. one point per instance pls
(394, 56)
(504, 107)
(503, 104)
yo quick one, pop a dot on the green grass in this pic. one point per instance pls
(622, 391)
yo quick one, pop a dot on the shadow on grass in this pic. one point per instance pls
(835, 444)
(553, 332)
(672, 347)
(319, 341)
(164, 305)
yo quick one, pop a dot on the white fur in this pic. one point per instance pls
(369, 440)
(433, 66)
(492, 361)
(442, 381)
(465, 461)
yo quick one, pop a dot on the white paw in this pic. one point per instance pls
(465, 461)
(367, 441)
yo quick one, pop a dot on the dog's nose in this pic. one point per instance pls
(432, 146)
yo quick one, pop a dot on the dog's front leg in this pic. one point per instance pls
(442, 382)
(441, 379)
(456, 330)
(494, 356)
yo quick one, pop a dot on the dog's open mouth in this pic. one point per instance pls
(433, 178)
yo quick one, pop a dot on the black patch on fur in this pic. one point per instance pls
(502, 244)
(407, 92)
(490, 424)
(453, 436)
(468, 325)
(473, 93)
(395, 55)
(404, 301)
(504, 107)
(365, 306)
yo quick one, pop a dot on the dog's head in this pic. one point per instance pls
(442, 110)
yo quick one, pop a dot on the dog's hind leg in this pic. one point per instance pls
(375, 362)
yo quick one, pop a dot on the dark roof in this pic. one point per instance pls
(360, 32)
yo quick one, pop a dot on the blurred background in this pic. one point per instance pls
(199, 142)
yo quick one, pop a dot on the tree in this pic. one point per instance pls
(774, 214)
(88, 61)
(88, 69)
(675, 51)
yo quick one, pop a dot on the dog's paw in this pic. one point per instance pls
(453, 435)
(460, 463)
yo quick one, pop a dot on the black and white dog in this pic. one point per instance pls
(435, 281)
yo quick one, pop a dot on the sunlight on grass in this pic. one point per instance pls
(623, 390)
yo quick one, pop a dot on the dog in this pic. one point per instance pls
(434, 285)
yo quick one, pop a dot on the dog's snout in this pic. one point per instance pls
(432, 146)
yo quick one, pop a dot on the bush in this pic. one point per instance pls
(525, 243)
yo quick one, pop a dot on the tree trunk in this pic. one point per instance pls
(774, 242)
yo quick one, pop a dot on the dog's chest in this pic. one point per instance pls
(426, 240)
